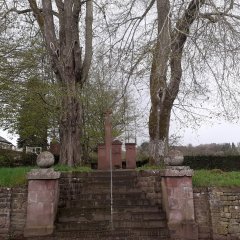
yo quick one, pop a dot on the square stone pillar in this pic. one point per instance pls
(43, 195)
(117, 154)
(178, 202)
(131, 155)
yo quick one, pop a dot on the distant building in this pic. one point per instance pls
(36, 150)
(5, 144)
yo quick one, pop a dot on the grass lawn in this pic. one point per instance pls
(216, 178)
(11, 177)
(208, 178)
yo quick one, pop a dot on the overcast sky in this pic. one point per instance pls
(219, 133)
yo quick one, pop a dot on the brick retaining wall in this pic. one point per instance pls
(218, 213)
(202, 213)
(225, 212)
(5, 211)
(18, 211)
(12, 212)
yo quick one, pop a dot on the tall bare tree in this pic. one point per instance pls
(177, 23)
(60, 27)
(193, 46)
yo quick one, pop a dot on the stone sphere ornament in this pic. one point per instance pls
(174, 158)
(45, 159)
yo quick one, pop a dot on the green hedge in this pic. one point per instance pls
(225, 163)
(9, 158)
(142, 162)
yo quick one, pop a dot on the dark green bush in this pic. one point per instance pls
(142, 162)
(10, 158)
(225, 163)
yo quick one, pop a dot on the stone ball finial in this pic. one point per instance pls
(45, 159)
(174, 158)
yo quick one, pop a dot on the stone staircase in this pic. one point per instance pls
(85, 207)
(84, 210)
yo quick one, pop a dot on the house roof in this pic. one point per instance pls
(3, 140)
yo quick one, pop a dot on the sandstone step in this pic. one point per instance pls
(80, 214)
(106, 236)
(97, 185)
(107, 196)
(146, 224)
(118, 173)
(115, 183)
(139, 216)
(103, 235)
(116, 203)
(104, 210)
(112, 235)
(99, 190)
(103, 197)
(145, 213)
(71, 176)
(132, 209)
(134, 231)
(102, 214)
(85, 217)
(155, 233)
(87, 226)
(92, 226)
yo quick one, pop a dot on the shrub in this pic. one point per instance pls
(142, 162)
(10, 158)
(224, 163)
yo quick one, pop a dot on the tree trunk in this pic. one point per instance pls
(166, 73)
(70, 127)
(70, 123)
(160, 111)
(159, 132)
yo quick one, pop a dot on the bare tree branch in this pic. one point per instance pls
(179, 37)
(38, 14)
(27, 11)
(49, 28)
